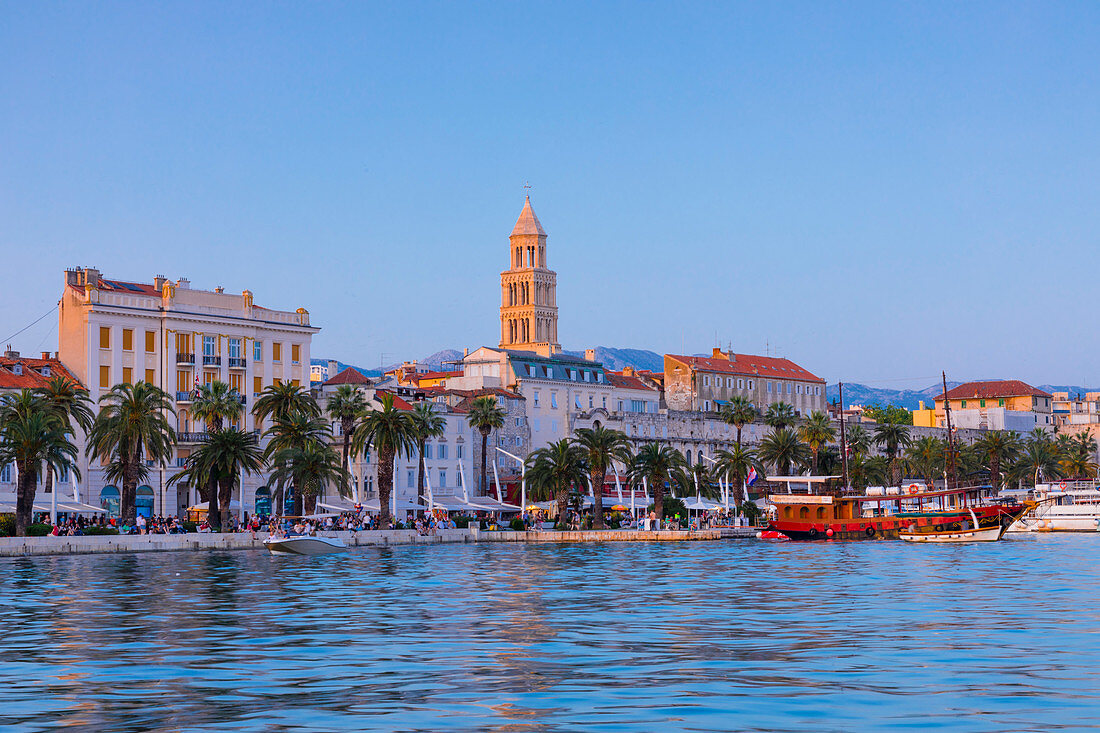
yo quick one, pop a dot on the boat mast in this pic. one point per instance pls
(951, 482)
(843, 438)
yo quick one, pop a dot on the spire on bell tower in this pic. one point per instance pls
(529, 303)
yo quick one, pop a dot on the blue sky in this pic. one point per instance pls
(878, 191)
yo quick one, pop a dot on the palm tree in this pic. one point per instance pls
(782, 448)
(1039, 457)
(282, 400)
(816, 431)
(737, 462)
(601, 447)
(132, 424)
(32, 434)
(925, 458)
(428, 424)
(995, 449)
(71, 403)
(739, 412)
(779, 415)
(347, 404)
(893, 437)
(391, 432)
(219, 462)
(555, 471)
(214, 403)
(295, 430)
(858, 440)
(1078, 458)
(654, 464)
(864, 471)
(309, 468)
(485, 415)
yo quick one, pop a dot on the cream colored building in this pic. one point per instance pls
(175, 336)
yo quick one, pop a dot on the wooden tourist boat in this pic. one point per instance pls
(919, 515)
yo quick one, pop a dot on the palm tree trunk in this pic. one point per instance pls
(299, 501)
(658, 497)
(24, 499)
(213, 505)
(484, 455)
(563, 499)
(347, 453)
(739, 435)
(814, 469)
(129, 491)
(385, 486)
(995, 471)
(420, 476)
(597, 500)
(225, 496)
(49, 478)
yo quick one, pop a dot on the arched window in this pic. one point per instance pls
(804, 512)
(788, 512)
(821, 512)
(263, 500)
(688, 456)
(109, 500)
(143, 502)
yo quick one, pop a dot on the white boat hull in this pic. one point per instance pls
(305, 545)
(990, 534)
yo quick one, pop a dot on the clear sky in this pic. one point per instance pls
(878, 191)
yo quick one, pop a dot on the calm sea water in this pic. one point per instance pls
(734, 635)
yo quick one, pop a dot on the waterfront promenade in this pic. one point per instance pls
(99, 544)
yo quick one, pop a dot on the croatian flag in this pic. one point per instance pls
(751, 478)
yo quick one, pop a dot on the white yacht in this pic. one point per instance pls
(1068, 506)
(305, 545)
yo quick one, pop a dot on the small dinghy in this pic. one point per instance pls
(305, 545)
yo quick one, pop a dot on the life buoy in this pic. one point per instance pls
(938, 528)
(813, 532)
(870, 532)
(1062, 486)
(913, 488)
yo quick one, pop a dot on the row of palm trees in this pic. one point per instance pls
(133, 430)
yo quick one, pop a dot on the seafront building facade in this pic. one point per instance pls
(1002, 404)
(176, 337)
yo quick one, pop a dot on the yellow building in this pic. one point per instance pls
(1003, 404)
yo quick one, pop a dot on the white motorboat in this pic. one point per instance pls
(1069, 506)
(305, 545)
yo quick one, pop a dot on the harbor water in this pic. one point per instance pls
(726, 635)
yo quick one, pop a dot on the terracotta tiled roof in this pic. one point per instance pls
(993, 389)
(464, 405)
(618, 380)
(32, 377)
(527, 223)
(399, 402)
(350, 375)
(750, 366)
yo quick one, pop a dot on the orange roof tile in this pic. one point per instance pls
(32, 377)
(350, 375)
(993, 389)
(751, 366)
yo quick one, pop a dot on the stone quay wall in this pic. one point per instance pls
(98, 544)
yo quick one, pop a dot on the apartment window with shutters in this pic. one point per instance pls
(554, 400)
(981, 403)
(128, 375)
(209, 346)
(150, 341)
(208, 377)
(235, 382)
(442, 451)
(295, 353)
(105, 376)
(150, 376)
(183, 380)
(127, 340)
(458, 451)
(276, 352)
(183, 343)
(257, 351)
(296, 383)
(257, 384)
(536, 401)
(234, 348)
(104, 337)
(751, 384)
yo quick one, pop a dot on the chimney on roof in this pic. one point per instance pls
(91, 277)
(219, 289)
(590, 354)
(332, 368)
(158, 282)
(45, 355)
(183, 284)
(9, 354)
(717, 353)
(628, 371)
(465, 352)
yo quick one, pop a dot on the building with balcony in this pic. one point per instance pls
(177, 337)
(703, 384)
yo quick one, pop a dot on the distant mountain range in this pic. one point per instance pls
(861, 394)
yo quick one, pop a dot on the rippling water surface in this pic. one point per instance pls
(733, 635)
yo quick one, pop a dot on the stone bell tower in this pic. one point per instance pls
(528, 290)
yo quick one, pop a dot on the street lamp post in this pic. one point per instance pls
(522, 480)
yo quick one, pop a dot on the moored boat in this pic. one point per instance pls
(305, 545)
(1068, 506)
